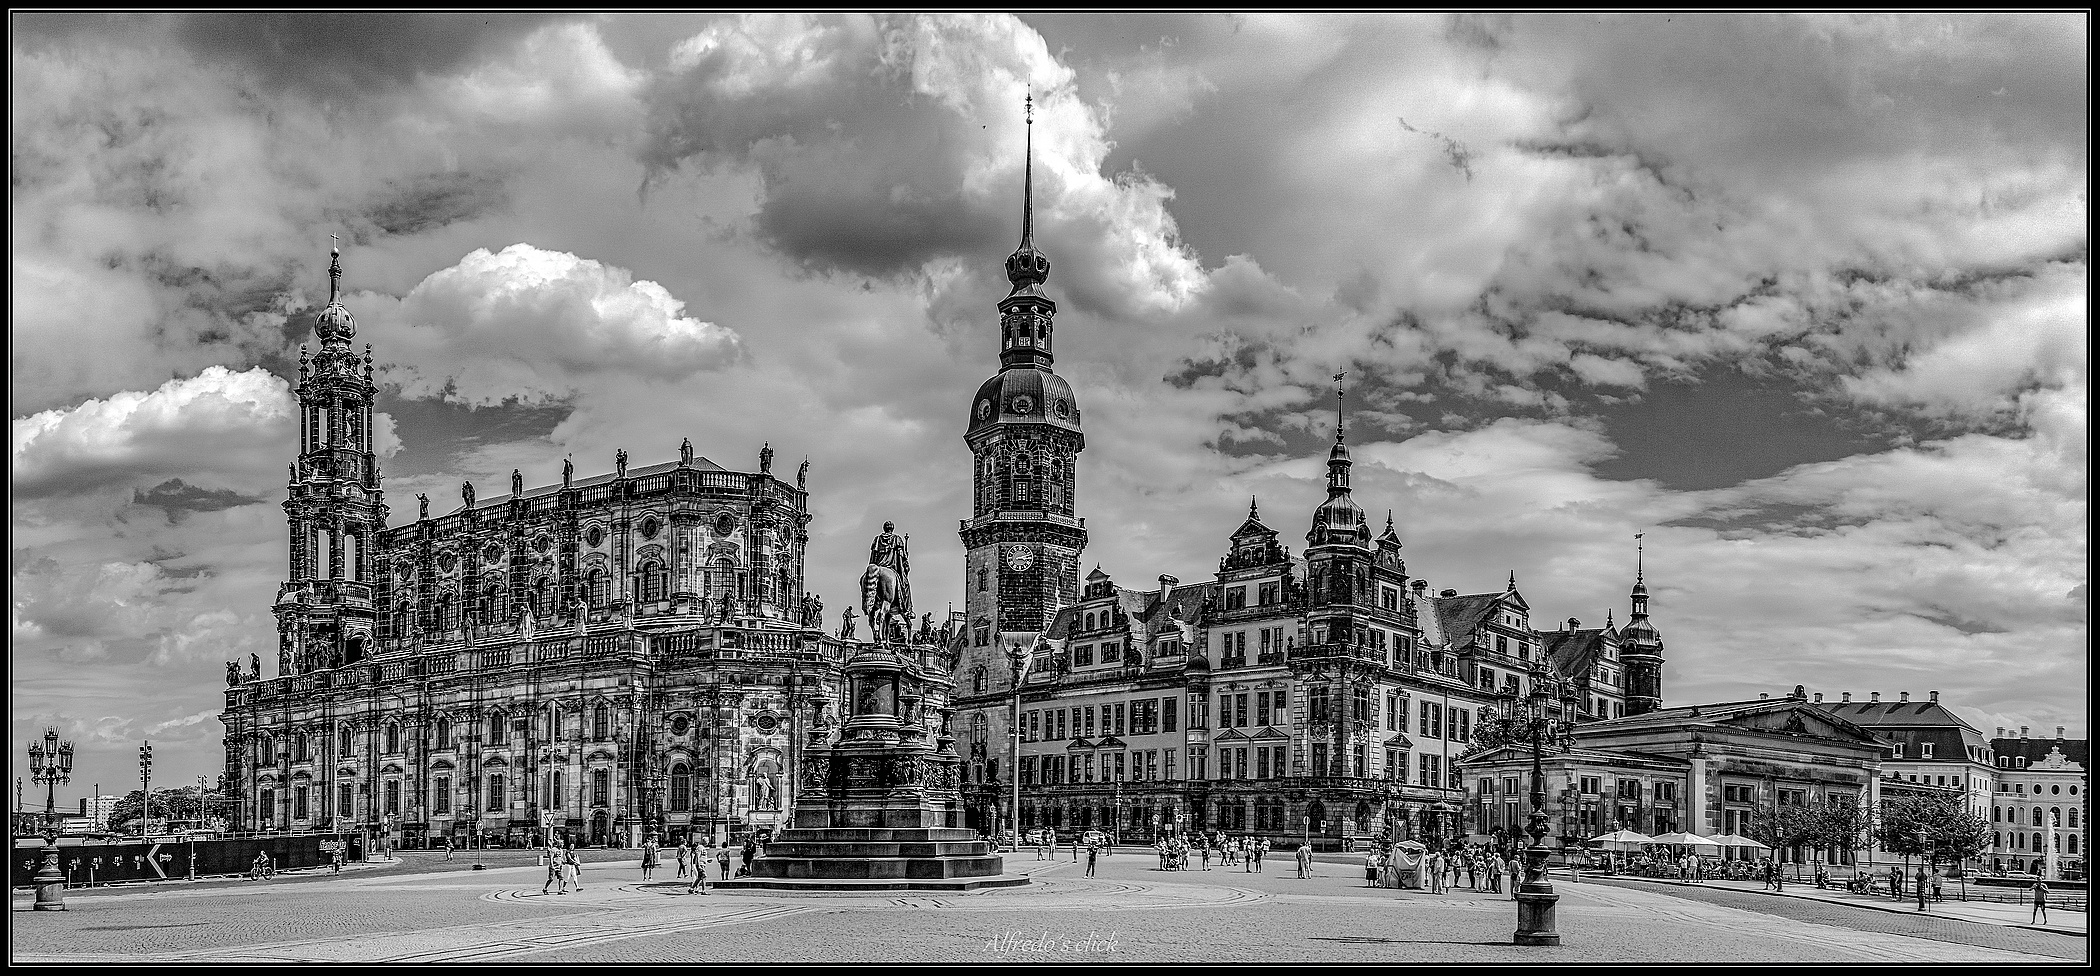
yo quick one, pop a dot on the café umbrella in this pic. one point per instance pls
(1738, 840)
(1687, 839)
(1622, 840)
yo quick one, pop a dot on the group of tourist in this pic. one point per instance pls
(1410, 865)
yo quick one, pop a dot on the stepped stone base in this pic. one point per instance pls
(877, 859)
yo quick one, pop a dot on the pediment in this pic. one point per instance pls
(1802, 719)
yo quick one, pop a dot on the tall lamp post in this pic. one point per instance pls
(1018, 658)
(1531, 720)
(50, 763)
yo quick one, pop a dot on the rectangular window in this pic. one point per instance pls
(1111, 652)
(1166, 714)
(1898, 747)
(1465, 725)
(1591, 785)
(1083, 655)
(1924, 750)
(1261, 708)
(1388, 598)
(1271, 593)
(1028, 770)
(1239, 711)
(1170, 763)
(298, 803)
(1119, 766)
(1261, 763)
(1432, 719)
(1430, 772)
(1119, 720)
(1239, 762)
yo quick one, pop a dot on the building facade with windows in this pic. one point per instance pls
(2039, 804)
(612, 656)
(1325, 693)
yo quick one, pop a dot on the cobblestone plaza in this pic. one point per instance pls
(425, 909)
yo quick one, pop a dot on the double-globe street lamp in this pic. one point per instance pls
(50, 763)
(1531, 719)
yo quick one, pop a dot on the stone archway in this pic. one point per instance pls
(601, 828)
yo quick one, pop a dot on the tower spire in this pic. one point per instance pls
(1639, 555)
(335, 268)
(1028, 174)
(1338, 422)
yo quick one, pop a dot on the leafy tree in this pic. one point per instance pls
(169, 804)
(1787, 827)
(1843, 825)
(1937, 828)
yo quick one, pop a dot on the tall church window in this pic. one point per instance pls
(448, 615)
(597, 588)
(721, 580)
(499, 728)
(342, 741)
(543, 598)
(443, 738)
(393, 737)
(681, 788)
(601, 787)
(492, 603)
(601, 723)
(651, 582)
(495, 792)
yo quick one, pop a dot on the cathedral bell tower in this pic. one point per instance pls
(1023, 538)
(325, 612)
(1641, 649)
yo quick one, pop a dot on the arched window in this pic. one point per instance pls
(495, 792)
(601, 788)
(443, 737)
(721, 580)
(448, 617)
(2074, 818)
(2073, 849)
(2037, 843)
(303, 743)
(651, 583)
(2037, 816)
(492, 603)
(393, 737)
(681, 788)
(977, 683)
(499, 728)
(597, 588)
(554, 722)
(543, 598)
(353, 556)
(601, 723)
(342, 741)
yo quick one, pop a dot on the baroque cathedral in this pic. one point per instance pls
(618, 655)
(1326, 693)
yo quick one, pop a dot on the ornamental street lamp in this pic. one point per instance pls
(50, 763)
(1531, 719)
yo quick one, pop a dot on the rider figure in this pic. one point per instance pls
(888, 551)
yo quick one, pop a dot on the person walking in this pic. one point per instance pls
(649, 849)
(1516, 874)
(2041, 903)
(1304, 860)
(557, 873)
(685, 855)
(750, 853)
(1472, 871)
(1092, 852)
(448, 848)
(572, 863)
(1921, 887)
(700, 859)
(722, 860)
(1203, 852)
(1433, 867)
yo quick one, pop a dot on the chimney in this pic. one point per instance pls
(2023, 731)
(1903, 696)
(1761, 696)
(1419, 585)
(1847, 697)
(1448, 593)
(1802, 692)
(2001, 732)
(1166, 586)
(1935, 696)
(1874, 696)
(1574, 623)
(1819, 698)
(2059, 732)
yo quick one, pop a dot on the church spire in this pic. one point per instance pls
(1027, 267)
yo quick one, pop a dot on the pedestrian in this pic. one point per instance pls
(1261, 853)
(557, 872)
(1075, 848)
(1921, 887)
(572, 865)
(649, 849)
(1091, 853)
(1371, 859)
(1204, 853)
(722, 858)
(750, 852)
(335, 862)
(2041, 903)
(1304, 860)
(448, 848)
(1433, 866)
(1472, 872)
(699, 882)
(1516, 874)
(685, 855)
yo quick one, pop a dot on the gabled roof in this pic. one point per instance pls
(2037, 750)
(1579, 754)
(1459, 616)
(1781, 715)
(1872, 714)
(1573, 652)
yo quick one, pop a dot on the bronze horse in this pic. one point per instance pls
(882, 600)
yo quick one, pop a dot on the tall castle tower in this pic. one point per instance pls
(1024, 538)
(1641, 649)
(325, 612)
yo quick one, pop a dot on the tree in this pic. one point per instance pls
(1843, 825)
(1937, 828)
(180, 803)
(1789, 826)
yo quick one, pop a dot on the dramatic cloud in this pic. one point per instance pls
(1568, 264)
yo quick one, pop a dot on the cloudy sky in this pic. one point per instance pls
(1803, 298)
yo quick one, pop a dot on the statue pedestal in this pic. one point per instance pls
(880, 808)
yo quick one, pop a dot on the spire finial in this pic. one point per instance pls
(1338, 425)
(1028, 174)
(1389, 520)
(335, 268)
(1253, 508)
(1512, 580)
(1639, 555)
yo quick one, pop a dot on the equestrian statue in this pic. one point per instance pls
(885, 587)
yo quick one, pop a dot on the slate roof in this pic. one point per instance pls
(1914, 724)
(1574, 651)
(2075, 750)
(1459, 616)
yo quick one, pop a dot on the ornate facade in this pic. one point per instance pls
(1328, 694)
(615, 655)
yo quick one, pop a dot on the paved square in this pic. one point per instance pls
(429, 911)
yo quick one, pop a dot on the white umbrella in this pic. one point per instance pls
(1738, 840)
(1686, 839)
(1620, 840)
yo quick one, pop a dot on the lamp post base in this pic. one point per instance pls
(1535, 916)
(50, 883)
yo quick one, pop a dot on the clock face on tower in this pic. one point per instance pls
(1019, 558)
